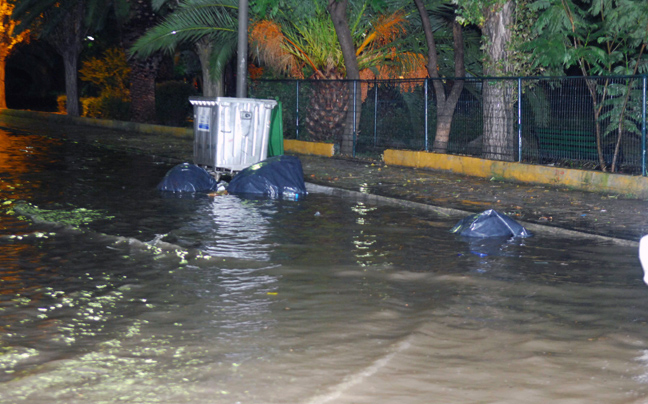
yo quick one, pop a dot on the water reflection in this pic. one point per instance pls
(228, 226)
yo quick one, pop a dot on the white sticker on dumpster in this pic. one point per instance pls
(203, 118)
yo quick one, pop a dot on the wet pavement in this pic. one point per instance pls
(620, 217)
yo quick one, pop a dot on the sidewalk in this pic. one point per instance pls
(610, 216)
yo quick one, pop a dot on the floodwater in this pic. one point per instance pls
(317, 301)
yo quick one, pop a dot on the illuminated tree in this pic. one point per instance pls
(109, 73)
(8, 40)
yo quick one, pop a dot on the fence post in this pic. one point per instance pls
(643, 129)
(425, 109)
(355, 82)
(375, 113)
(519, 120)
(297, 112)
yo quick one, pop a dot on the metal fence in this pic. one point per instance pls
(591, 123)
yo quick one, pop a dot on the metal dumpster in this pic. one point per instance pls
(230, 134)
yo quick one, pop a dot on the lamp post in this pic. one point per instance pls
(241, 72)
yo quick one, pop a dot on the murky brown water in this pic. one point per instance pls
(318, 301)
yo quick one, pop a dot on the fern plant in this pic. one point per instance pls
(601, 38)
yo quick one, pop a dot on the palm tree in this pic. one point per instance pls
(310, 48)
(143, 70)
(65, 24)
(210, 26)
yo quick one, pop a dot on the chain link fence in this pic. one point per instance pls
(596, 123)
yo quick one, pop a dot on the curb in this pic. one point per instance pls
(104, 123)
(450, 212)
(590, 181)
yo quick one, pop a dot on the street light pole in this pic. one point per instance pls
(241, 72)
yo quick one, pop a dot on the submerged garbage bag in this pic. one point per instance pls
(188, 178)
(275, 177)
(489, 223)
(491, 246)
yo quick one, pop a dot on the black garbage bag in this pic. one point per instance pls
(187, 177)
(489, 223)
(275, 177)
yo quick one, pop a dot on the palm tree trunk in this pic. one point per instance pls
(337, 9)
(142, 88)
(328, 109)
(212, 87)
(143, 71)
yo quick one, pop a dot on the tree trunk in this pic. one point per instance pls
(499, 117)
(3, 93)
(70, 62)
(337, 10)
(445, 104)
(67, 38)
(327, 109)
(212, 87)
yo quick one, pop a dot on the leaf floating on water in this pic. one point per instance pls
(75, 217)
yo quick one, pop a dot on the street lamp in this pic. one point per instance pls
(241, 76)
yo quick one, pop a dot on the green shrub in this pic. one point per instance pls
(172, 105)
(114, 107)
(106, 107)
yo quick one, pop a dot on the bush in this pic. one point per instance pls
(112, 107)
(106, 107)
(90, 107)
(172, 105)
(61, 103)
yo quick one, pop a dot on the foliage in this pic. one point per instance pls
(90, 107)
(61, 102)
(109, 74)
(50, 14)
(601, 38)
(309, 48)
(191, 21)
(76, 217)
(518, 61)
(474, 11)
(106, 107)
(608, 37)
(9, 38)
(9, 35)
(171, 102)
(64, 24)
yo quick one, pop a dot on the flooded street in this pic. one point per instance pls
(323, 300)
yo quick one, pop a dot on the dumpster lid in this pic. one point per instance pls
(211, 101)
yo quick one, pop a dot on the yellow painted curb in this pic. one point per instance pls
(315, 148)
(593, 181)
